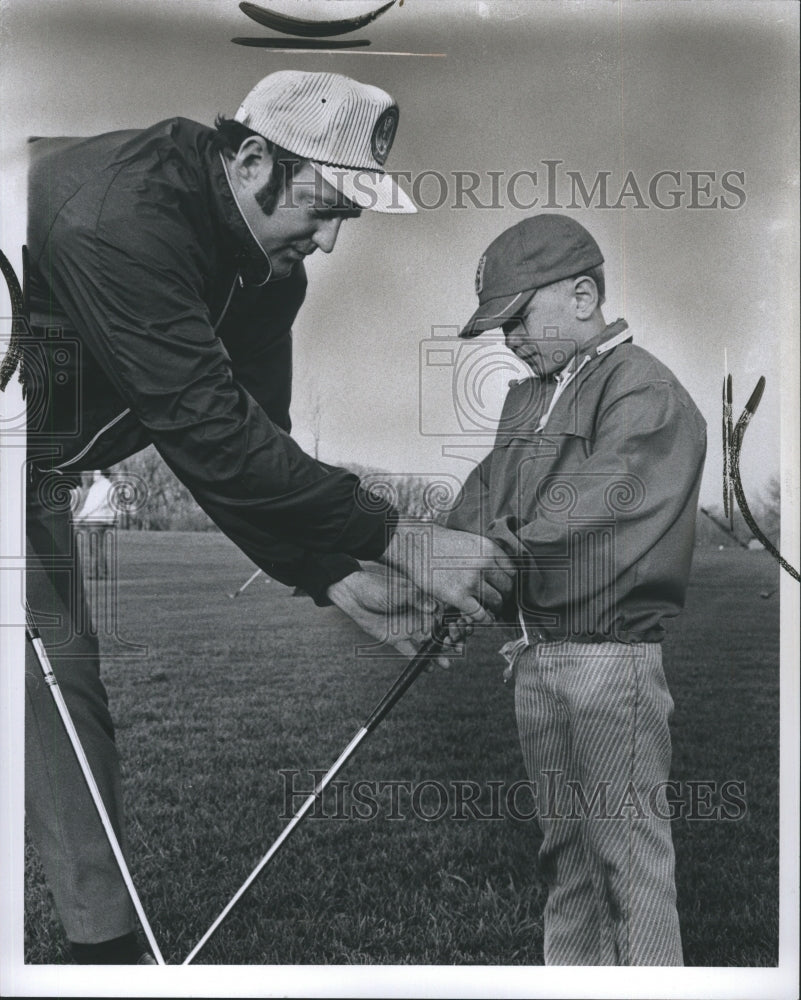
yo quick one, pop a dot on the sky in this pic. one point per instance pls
(621, 90)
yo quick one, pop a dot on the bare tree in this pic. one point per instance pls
(315, 416)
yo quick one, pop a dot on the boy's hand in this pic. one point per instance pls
(459, 569)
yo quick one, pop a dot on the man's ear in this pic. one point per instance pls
(585, 293)
(252, 161)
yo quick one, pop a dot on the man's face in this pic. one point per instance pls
(544, 337)
(307, 215)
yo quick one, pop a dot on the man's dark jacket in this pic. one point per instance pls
(152, 323)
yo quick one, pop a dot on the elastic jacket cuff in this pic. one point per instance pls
(314, 573)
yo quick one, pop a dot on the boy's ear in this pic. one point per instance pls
(585, 293)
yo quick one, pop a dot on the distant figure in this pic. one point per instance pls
(93, 525)
(96, 505)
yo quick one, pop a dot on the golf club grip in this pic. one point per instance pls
(431, 647)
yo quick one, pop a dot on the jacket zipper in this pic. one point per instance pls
(566, 376)
(88, 447)
(221, 317)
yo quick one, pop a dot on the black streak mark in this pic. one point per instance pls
(13, 359)
(300, 26)
(301, 43)
(733, 441)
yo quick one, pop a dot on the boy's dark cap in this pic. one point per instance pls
(536, 252)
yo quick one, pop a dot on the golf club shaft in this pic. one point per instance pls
(247, 583)
(412, 670)
(32, 633)
(724, 528)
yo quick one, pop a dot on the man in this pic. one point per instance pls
(592, 485)
(166, 269)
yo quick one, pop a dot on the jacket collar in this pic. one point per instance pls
(609, 337)
(604, 341)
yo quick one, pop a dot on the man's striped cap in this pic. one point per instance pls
(345, 128)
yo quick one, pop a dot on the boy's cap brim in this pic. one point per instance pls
(493, 313)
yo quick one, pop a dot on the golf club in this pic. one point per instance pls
(35, 639)
(246, 584)
(724, 528)
(430, 648)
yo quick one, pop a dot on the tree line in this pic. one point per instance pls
(149, 497)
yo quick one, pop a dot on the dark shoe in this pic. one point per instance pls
(125, 950)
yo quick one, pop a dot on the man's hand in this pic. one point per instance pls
(391, 608)
(461, 570)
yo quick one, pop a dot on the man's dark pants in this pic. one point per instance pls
(82, 874)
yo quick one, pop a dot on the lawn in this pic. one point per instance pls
(224, 695)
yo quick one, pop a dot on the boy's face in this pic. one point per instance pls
(544, 337)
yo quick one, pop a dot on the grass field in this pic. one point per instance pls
(231, 692)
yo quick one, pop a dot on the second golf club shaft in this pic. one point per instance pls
(32, 633)
(430, 648)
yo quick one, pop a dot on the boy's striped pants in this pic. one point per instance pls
(593, 725)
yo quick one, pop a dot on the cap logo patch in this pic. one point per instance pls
(384, 134)
(480, 275)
